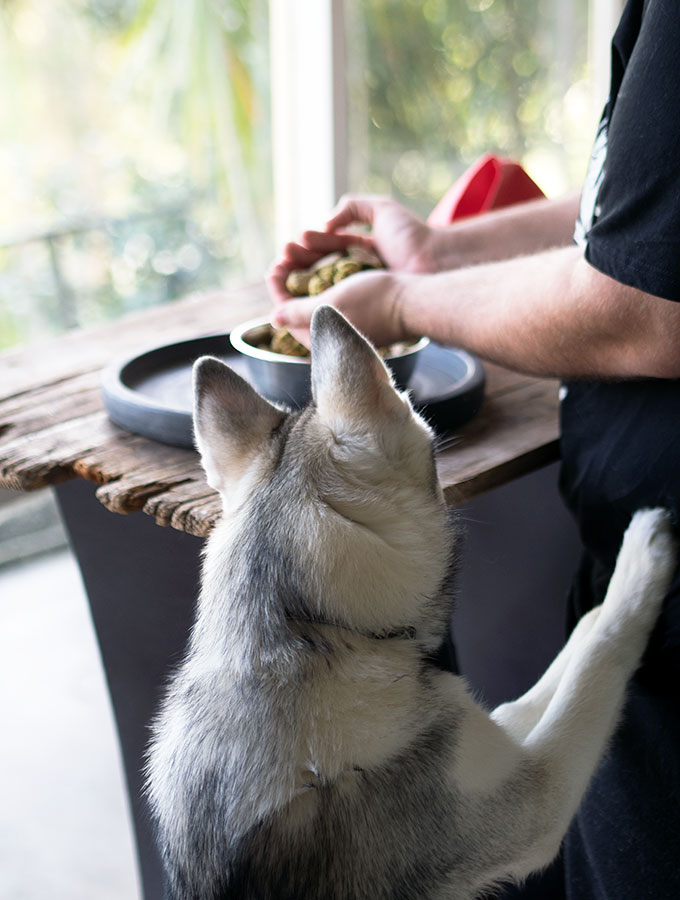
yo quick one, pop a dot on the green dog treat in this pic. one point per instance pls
(311, 282)
(283, 342)
(297, 283)
(344, 268)
(317, 285)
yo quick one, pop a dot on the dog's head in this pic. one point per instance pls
(349, 482)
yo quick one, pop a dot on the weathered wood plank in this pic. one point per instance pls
(174, 507)
(89, 350)
(197, 517)
(53, 425)
(50, 455)
(33, 411)
(515, 433)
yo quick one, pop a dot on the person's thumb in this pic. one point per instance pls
(295, 313)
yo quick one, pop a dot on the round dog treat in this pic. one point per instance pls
(344, 268)
(311, 282)
(283, 342)
(326, 273)
(317, 285)
(297, 283)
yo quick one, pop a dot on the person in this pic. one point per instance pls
(598, 306)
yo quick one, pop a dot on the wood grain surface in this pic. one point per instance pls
(53, 425)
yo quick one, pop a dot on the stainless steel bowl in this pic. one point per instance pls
(286, 379)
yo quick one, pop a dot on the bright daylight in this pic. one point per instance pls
(339, 496)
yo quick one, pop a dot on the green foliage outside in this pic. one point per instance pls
(135, 148)
(134, 156)
(435, 84)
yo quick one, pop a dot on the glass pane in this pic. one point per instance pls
(135, 158)
(433, 85)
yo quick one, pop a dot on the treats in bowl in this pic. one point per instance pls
(283, 374)
(278, 364)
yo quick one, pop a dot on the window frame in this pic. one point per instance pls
(309, 114)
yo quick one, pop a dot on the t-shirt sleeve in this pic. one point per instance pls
(635, 232)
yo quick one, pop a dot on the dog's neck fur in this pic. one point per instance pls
(408, 632)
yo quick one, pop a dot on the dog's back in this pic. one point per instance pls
(305, 719)
(309, 747)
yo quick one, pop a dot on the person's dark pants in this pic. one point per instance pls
(624, 843)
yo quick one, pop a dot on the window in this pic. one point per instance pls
(435, 84)
(137, 160)
(134, 156)
(415, 90)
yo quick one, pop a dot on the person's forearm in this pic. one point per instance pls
(547, 314)
(516, 230)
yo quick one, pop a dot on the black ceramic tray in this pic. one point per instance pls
(150, 393)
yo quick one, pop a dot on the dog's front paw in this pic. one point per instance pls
(644, 567)
(650, 532)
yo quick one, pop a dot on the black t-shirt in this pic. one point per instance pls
(630, 207)
(621, 452)
(621, 440)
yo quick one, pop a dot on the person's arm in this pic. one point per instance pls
(502, 234)
(407, 244)
(547, 314)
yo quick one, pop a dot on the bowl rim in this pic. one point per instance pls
(239, 343)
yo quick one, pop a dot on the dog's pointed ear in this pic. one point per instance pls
(351, 385)
(231, 421)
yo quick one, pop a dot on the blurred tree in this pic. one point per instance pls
(136, 147)
(209, 63)
(135, 155)
(446, 80)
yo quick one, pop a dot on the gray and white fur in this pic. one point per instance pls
(307, 746)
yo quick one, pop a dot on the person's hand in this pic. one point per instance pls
(371, 300)
(400, 239)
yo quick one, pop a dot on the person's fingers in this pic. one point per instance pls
(323, 243)
(309, 248)
(276, 282)
(303, 336)
(294, 256)
(295, 313)
(353, 208)
(298, 255)
(304, 253)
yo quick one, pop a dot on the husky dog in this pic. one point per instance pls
(308, 747)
